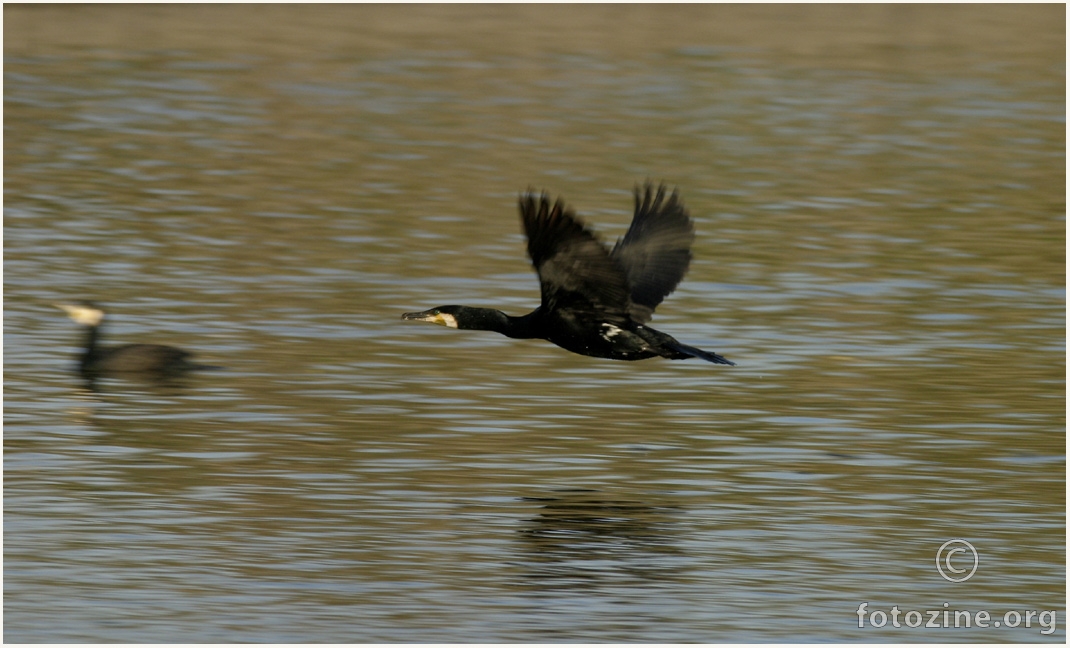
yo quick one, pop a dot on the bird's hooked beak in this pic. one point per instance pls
(433, 315)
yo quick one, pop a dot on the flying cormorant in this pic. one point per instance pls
(595, 301)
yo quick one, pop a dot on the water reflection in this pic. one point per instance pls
(93, 386)
(580, 540)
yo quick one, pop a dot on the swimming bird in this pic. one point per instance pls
(595, 301)
(150, 360)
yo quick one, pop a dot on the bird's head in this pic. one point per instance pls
(85, 313)
(444, 315)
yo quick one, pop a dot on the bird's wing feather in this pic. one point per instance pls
(656, 251)
(576, 273)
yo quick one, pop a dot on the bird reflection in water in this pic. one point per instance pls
(579, 539)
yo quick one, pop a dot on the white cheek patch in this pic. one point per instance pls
(84, 315)
(91, 317)
(446, 319)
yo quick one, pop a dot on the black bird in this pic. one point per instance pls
(596, 302)
(150, 360)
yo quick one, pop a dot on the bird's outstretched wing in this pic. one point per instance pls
(576, 273)
(656, 251)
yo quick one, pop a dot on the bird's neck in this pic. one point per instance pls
(489, 319)
(90, 350)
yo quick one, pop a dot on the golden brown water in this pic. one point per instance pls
(879, 201)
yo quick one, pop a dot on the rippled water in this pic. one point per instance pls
(880, 248)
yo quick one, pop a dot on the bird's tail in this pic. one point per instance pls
(708, 356)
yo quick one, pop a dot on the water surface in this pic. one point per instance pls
(880, 247)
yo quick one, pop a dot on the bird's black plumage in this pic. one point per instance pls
(147, 360)
(596, 301)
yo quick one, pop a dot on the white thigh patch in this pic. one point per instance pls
(609, 332)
